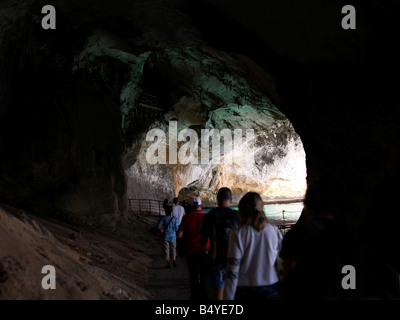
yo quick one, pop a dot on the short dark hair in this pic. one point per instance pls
(224, 194)
(176, 200)
(168, 210)
(195, 205)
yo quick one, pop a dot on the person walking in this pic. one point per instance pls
(169, 236)
(178, 212)
(253, 267)
(315, 250)
(165, 203)
(216, 227)
(196, 251)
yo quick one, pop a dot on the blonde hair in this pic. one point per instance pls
(251, 207)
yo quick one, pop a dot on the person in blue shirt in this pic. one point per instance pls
(170, 224)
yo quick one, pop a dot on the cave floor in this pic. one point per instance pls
(89, 264)
(167, 284)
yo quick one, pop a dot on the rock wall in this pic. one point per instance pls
(75, 133)
(202, 88)
(61, 138)
(68, 97)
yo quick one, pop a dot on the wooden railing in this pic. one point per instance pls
(286, 226)
(155, 207)
(146, 206)
(149, 107)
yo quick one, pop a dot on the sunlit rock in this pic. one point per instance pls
(210, 94)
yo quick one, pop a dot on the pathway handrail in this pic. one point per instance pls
(146, 206)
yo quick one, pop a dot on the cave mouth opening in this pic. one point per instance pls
(206, 89)
(277, 171)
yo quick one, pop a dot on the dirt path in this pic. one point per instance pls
(167, 284)
(90, 264)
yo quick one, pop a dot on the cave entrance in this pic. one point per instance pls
(205, 89)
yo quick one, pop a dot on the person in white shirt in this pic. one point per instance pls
(253, 267)
(177, 211)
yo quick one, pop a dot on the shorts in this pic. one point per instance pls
(217, 277)
(257, 293)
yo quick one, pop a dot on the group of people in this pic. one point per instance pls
(241, 255)
(230, 254)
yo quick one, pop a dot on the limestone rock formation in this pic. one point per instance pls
(209, 89)
(70, 138)
(81, 145)
(73, 132)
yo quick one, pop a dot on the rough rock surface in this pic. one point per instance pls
(68, 133)
(208, 89)
(73, 142)
(89, 264)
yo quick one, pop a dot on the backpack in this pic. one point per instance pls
(222, 227)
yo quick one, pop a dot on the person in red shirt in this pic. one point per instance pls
(196, 251)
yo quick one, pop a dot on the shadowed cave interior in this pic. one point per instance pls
(323, 103)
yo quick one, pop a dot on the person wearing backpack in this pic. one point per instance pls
(216, 227)
(169, 236)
